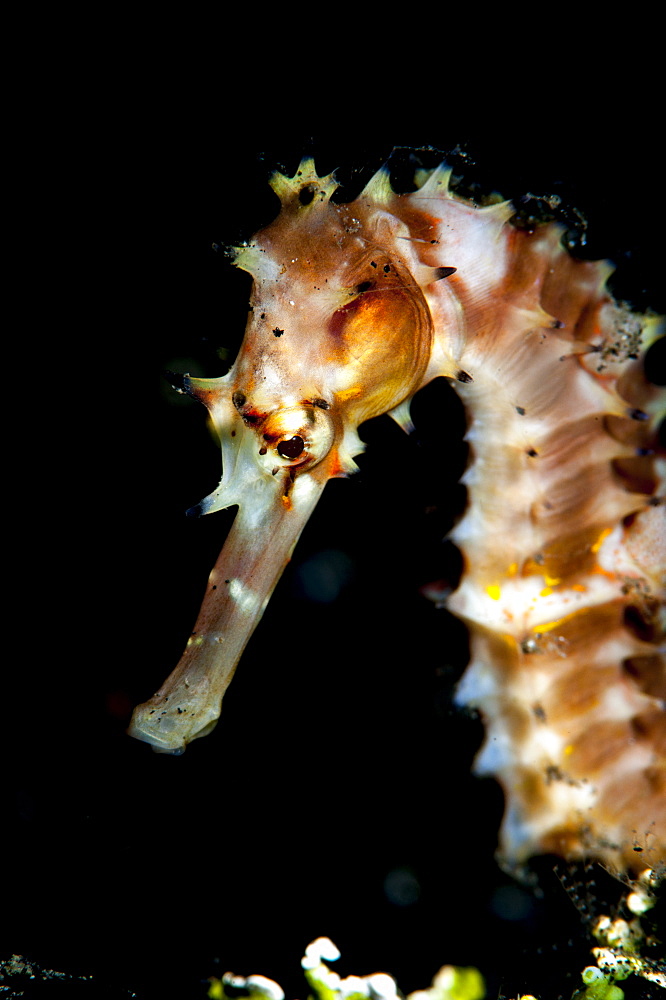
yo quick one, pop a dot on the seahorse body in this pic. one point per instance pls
(354, 308)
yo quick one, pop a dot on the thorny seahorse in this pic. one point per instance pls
(354, 308)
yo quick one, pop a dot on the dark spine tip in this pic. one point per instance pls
(177, 380)
(444, 272)
(197, 511)
(464, 376)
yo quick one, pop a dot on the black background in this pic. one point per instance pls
(338, 759)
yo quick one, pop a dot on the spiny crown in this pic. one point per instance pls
(305, 190)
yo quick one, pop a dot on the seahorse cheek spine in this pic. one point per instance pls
(355, 307)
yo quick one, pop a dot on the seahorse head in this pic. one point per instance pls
(339, 331)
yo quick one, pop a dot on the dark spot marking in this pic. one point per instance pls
(639, 850)
(306, 194)
(239, 399)
(291, 448)
(262, 451)
(277, 332)
(373, 263)
(387, 268)
(520, 410)
(444, 272)
(532, 452)
(463, 376)
(263, 316)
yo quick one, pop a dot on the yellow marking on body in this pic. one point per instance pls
(549, 626)
(545, 592)
(604, 572)
(600, 540)
(494, 591)
(569, 750)
(351, 393)
(579, 586)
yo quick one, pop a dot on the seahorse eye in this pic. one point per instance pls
(291, 448)
(296, 437)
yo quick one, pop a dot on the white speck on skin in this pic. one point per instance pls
(244, 597)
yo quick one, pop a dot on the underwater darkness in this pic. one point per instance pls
(335, 796)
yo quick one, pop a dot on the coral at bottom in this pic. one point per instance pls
(617, 959)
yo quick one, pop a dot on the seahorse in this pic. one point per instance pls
(354, 308)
